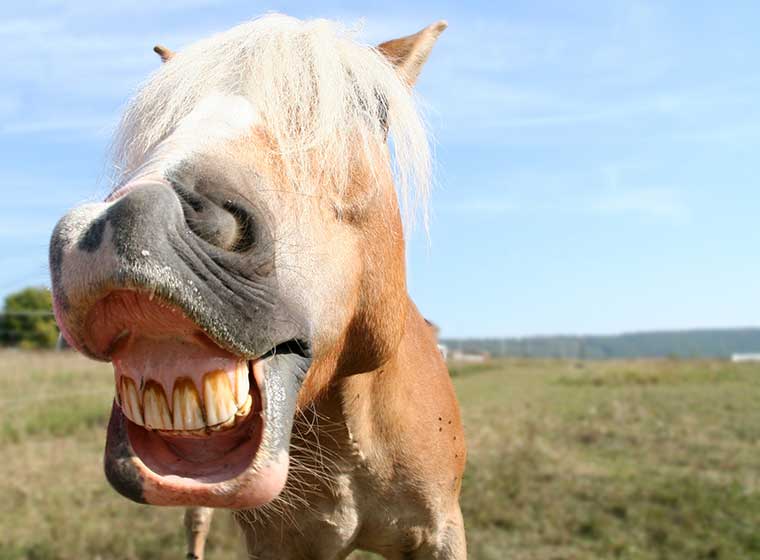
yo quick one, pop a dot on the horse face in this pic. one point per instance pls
(215, 283)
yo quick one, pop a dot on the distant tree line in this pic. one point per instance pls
(27, 319)
(703, 343)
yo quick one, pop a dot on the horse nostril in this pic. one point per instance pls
(224, 224)
(245, 226)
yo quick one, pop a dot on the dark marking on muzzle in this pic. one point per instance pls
(57, 246)
(93, 238)
(120, 471)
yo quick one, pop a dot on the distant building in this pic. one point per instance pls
(455, 355)
(459, 356)
(745, 357)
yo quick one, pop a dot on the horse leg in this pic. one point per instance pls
(197, 523)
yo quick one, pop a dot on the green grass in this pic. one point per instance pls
(567, 460)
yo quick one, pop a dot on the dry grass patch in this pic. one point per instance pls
(626, 459)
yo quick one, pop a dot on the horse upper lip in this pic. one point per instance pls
(120, 314)
(112, 347)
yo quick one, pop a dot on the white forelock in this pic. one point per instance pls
(317, 91)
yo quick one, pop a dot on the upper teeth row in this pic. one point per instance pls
(220, 404)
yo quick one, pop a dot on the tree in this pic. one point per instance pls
(27, 319)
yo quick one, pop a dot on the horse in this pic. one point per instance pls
(246, 278)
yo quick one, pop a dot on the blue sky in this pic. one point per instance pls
(597, 162)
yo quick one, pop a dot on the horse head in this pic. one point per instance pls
(250, 254)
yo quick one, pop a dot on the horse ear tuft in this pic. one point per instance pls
(409, 53)
(163, 52)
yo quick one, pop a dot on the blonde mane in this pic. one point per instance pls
(318, 91)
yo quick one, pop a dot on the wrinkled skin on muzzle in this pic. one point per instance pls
(145, 241)
(174, 281)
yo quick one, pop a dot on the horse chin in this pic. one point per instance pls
(193, 424)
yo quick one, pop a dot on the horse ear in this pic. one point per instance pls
(163, 52)
(408, 54)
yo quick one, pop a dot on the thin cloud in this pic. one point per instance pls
(9, 105)
(24, 27)
(652, 202)
(481, 207)
(26, 231)
(99, 125)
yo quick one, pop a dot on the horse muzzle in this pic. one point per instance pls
(176, 285)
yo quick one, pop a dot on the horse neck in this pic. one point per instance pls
(354, 418)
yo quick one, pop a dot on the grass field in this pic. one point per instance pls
(636, 460)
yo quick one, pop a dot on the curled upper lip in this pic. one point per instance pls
(109, 323)
(118, 314)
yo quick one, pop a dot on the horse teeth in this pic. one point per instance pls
(217, 398)
(186, 406)
(243, 411)
(130, 401)
(155, 408)
(222, 400)
(224, 425)
(241, 383)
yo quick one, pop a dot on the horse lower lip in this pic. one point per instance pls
(240, 467)
(222, 470)
(204, 456)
